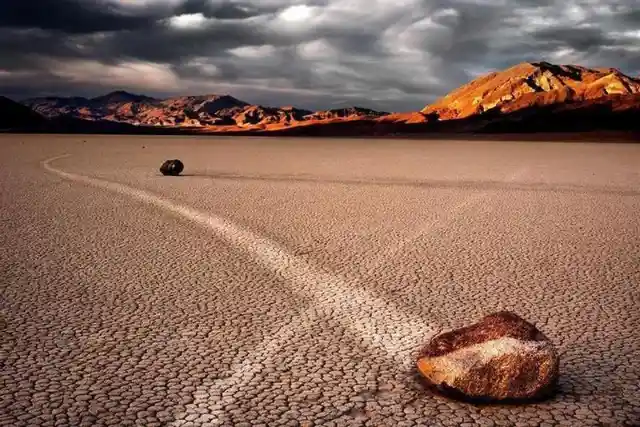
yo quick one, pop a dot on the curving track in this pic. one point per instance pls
(291, 282)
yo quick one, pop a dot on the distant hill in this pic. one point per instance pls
(618, 112)
(528, 97)
(202, 111)
(346, 113)
(120, 96)
(53, 106)
(532, 85)
(15, 116)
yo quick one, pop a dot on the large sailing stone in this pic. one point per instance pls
(501, 358)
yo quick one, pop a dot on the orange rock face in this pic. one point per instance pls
(532, 84)
(408, 118)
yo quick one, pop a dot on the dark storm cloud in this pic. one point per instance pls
(632, 17)
(163, 44)
(316, 53)
(223, 9)
(70, 16)
(582, 39)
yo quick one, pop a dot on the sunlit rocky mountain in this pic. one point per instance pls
(528, 97)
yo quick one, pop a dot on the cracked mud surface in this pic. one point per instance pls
(292, 282)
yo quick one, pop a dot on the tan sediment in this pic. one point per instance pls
(115, 311)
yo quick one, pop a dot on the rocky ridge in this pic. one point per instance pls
(187, 111)
(528, 97)
(532, 85)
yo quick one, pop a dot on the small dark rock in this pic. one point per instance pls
(172, 167)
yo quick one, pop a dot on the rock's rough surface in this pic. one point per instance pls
(502, 357)
(172, 167)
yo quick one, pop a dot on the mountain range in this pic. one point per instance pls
(528, 97)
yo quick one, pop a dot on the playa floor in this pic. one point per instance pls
(292, 281)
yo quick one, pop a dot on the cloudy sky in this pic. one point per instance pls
(395, 55)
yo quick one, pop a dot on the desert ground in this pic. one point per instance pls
(293, 281)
